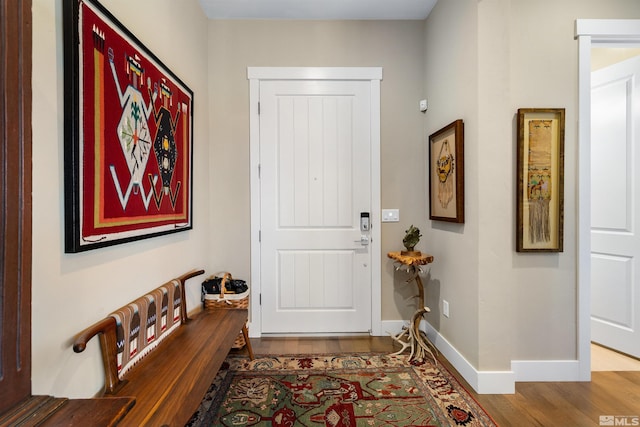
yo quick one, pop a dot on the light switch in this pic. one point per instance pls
(390, 215)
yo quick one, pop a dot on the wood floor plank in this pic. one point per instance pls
(605, 359)
(533, 404)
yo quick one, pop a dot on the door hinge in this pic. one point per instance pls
(259, 171)
(258, 108)
(259, 235)
(260, 299)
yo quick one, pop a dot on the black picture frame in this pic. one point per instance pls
(128, 127)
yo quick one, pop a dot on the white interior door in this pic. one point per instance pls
(315, 177)
(615, 206)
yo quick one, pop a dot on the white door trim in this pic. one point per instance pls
(255, 75)
(589, 32)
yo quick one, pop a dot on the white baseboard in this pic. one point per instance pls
(483, 382)
(487, 382)
(546, 370)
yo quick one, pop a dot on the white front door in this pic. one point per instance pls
(615, 207)
(315, 177)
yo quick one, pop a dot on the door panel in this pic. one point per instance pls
(612, 302)
(610, 180)
(310, 280)
(315, 181)
(314, 160)
(615, 196)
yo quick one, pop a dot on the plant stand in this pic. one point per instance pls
(412, 337)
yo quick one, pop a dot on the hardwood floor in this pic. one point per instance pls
(605, 359)
(568, 404)
(322, 345)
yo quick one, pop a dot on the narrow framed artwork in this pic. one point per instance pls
(540, 198)
(446, 173)
(128, 135)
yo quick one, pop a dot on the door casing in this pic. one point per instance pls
(587, 32)
(257, 74)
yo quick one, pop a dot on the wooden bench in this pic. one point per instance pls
(152, 352)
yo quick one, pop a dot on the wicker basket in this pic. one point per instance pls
(226, 301)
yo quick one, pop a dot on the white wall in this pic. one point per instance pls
(72, 291)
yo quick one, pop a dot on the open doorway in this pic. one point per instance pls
(590, 33)
(615, 198)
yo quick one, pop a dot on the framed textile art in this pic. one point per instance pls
(446, 173)
(128, 135)
(540, 198)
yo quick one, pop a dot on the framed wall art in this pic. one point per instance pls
(128, 135)
(446, 173)
(540, 164)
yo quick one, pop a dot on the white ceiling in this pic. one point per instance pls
(317, 9)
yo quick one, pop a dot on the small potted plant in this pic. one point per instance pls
(410, 240)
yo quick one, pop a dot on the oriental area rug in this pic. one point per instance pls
(336, 390)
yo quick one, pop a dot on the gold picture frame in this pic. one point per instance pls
(540, 177)
(446, 173)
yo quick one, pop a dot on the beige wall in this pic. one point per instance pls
(521, 306)
(475, 60)
(394, 45)
(71, 291)
(451, 81)
(544, 64)
(605, 56)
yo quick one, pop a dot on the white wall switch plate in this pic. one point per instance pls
(390, 215)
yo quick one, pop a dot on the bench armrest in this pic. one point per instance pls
(106, 329)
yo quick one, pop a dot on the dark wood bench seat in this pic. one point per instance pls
(170, 381)
(38, 411)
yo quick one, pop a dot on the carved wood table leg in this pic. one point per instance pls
(422, 343)
(420, 286)
(412, 337)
